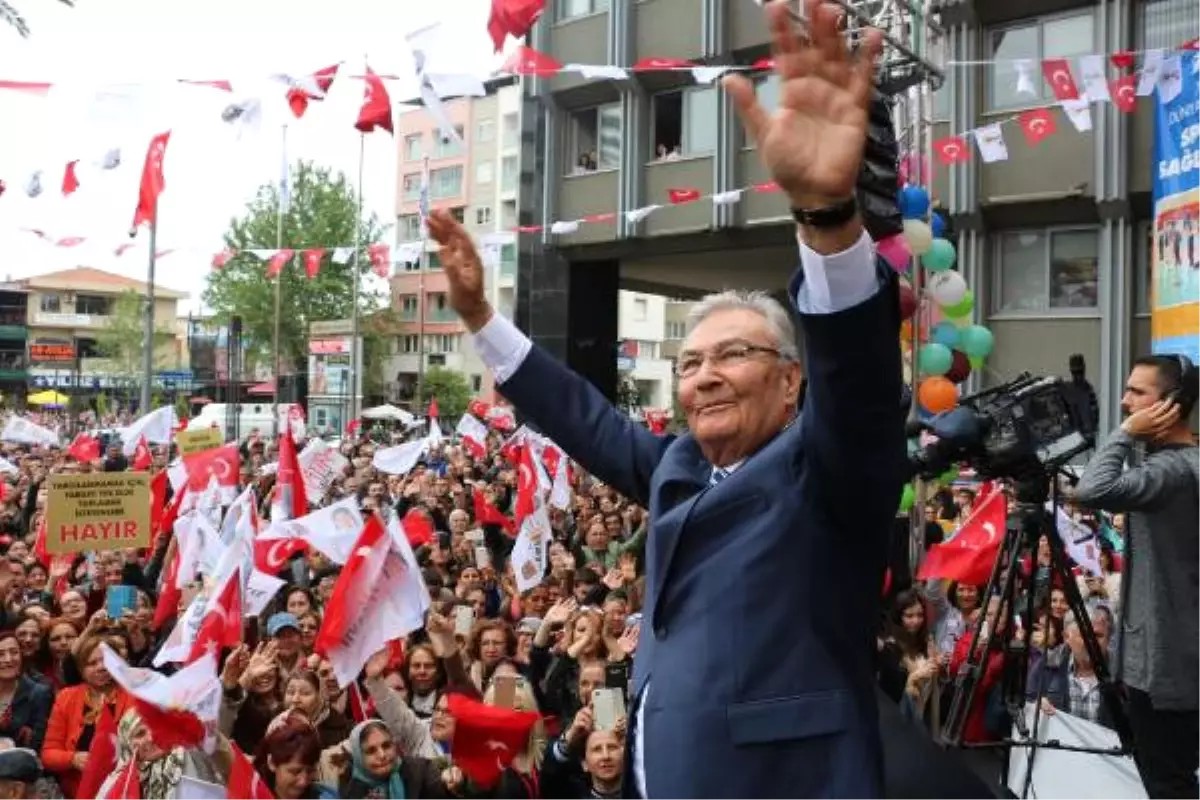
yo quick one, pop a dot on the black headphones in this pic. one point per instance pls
(1184, 394)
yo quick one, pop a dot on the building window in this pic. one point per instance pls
(641, 308)
(446, 146)
(1143, 266)
(570, 9)
(595, 139)
(441, 343)
(647, 349)
(1057, 37)
(483, 215)
(486, 131)
(408, 227)
(409, 343)
(51, 303)
(508, 174)
(1164, 23)
(412, 147)
(512, 129)
(476, 383)
(1047, 271)
(508, 214)
(408, 306)
(92, 305)
(676, 329)
(459, 213)
(445, 182)
(767, 92)
(412, 186)
(484, 172)
(941, 103)
(685, 123)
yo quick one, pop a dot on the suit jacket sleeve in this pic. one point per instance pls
(574, 413)
(853, 421)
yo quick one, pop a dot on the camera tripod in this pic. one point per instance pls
(1032, 496)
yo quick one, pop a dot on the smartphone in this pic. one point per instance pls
(250, 632)
(464, 620)
(118, 600)
(504, 691)
(607, 707)
(616, 676)
(474, 535)
(483, 557)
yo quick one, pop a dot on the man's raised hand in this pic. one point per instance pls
(463, 268)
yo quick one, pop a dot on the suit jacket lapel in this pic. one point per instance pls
(685, 476)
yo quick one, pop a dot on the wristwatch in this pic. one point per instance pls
(834, 216)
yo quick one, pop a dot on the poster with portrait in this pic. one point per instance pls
(1175, 238)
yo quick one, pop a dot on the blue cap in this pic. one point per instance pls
(282, 620)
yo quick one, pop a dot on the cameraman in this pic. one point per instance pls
(1160, 652)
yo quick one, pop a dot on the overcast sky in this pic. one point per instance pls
(114, 65)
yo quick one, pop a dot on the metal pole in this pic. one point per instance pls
(355, 345)
(423, 265)
(148, 353)
(280, 211)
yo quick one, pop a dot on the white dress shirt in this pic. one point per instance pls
(832, 283)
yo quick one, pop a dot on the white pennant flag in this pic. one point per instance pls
(564, 227)
(1079, 113)
(1093, 75)
(1151, 65)
(158, 427)
(529, 550)
(399, 460)
(990, 141)
(1025, 83)
(638, 214)
(22, 431)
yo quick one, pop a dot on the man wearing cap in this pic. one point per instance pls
(20, 770)
(284, 630)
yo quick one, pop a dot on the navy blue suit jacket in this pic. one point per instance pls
(762, 592)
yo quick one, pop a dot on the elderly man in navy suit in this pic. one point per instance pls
(754, 672)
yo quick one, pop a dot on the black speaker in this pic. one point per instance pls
(879, 181)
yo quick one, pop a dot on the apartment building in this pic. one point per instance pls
(477, 182)
(1054, 240)
(643, 366)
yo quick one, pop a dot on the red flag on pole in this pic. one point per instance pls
(153, 182)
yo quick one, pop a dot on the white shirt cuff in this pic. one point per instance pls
(839, 281)
(501, 347)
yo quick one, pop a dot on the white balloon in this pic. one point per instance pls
(946, 288)
(919, 236)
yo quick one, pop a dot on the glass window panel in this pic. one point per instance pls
(1165, 23)
(1067, 37)
(572, 8)
(1074, 269)
(700, 121)
(610, 137)
(1007, 47)
(941, 102)
(767, 91)
(1022, 272)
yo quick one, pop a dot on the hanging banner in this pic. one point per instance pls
(1175, 245)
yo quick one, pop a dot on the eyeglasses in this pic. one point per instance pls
(726, 357)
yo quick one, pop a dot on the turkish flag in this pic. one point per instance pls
(479, 408)
(1037, 124)
(512, 18)
(1057, 72)
(244, 780)
(167, 607)
(312, 261)
(653, 64)
(418, 528)
(221, 625)
(1124, 93)
(222, 258)
(272, 554)
(315, 87)
(527, 485)
(278, 261)
(488, 514)
(142, 458)
(527, 61)
(487, 738)
(680, 196)
(433, 408)
(84, 448)
(102, 755)
(70, 179)
(127, 786)
(223, 463)
(376, 111)
(952, 150)
(153, 183)
(380, 256)
(291, 498)
(968, 557)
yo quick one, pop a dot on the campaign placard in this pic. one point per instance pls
(98, 511)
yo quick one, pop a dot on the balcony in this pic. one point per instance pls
(578, 40)
(587, 193)
(443, 315)
(407, 315)
(13, 365)
(1056, 164)
(695, 172)
(669, 29)
(758, 207)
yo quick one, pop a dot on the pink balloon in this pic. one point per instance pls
(895, 252)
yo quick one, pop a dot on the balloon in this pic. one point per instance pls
(907, 498)
(960, 370)
(963, 307)
(895, 252)
(934, 359)
(937, 223)
(947, 288)
(937, 395)
(949, 476)
(919, 237)
(914, 202)
(945, 333)
(975, 362)
(908, 300)
(976, 340)
(940, 256)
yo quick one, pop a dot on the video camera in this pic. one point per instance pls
(1022, 429)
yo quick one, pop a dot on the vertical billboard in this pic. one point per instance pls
(1175, 241)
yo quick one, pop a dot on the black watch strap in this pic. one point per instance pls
(833, 216)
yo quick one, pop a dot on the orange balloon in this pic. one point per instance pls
(906, 331)
(937, 395)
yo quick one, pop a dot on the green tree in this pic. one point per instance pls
(451, 390)
(13, 18)
(323, 213)
(123, 338)
(377, 331)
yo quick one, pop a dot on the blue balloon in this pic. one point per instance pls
(945, 333)
(938, 225)
(914, 202)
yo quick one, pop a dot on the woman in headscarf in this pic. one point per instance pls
(160, 772)
(379, 771)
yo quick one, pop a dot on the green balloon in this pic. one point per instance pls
(976, 340)
(962, 308)
(907, 498)
(949, 476)
(934, 359)
(976, 362)
(940, 256)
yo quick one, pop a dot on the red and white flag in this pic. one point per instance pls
(969, 555)
(142, 457)
(222, 463)
(473, 435)
(487, 738)
(310, 87)
(244, 780)
(221, 625)
(376, 111)
(291, 499)
(527, 486)
(179, 710)
(153, 182)
(512, 18)
(157, 427)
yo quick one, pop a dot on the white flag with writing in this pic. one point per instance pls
(158, 427)
(22, 431)
(399, 460)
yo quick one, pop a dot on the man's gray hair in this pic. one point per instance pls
(1070, 621)
(779, 322)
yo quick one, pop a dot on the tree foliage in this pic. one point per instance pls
(323, 213)
(12, 17)
(377, 330)
(451, 390)
(123, 338)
